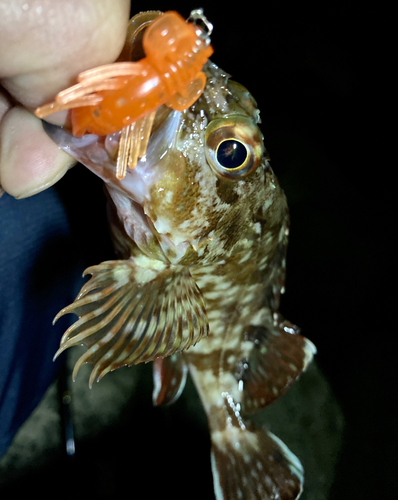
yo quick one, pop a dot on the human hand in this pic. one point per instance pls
(44, 44)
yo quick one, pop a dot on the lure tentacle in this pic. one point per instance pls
(114, 96)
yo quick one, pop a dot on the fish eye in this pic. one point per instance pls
(231, 153)
(234, 147)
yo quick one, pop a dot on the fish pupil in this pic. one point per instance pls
(231, 153)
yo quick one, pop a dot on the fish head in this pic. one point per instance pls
(211, 193)
(204, 192)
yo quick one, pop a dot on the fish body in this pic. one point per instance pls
(201, 228)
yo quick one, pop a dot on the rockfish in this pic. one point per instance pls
(201, 228)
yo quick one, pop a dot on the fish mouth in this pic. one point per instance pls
(151, 167)
(97, 153)
(131, 194)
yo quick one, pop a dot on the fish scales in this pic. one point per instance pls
(201, 229)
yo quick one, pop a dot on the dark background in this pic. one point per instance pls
(316, 71)
(314, 68)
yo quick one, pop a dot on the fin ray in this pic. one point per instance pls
(68, 341)
(271, 360)
(253, 464)
(133, 311)
(169, 377)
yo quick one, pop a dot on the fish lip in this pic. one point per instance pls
(150, 169)
(90, 150)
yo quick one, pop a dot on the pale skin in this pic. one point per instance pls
(44, 44)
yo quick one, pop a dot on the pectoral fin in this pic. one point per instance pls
(272, 359)
(132, 311)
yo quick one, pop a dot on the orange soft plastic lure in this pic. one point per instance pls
(124, 96)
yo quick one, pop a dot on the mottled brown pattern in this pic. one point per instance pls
(255, 469)
(220, 241)
(274, 364)
(226, 191)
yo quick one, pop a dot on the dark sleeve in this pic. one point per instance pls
(39, 274)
